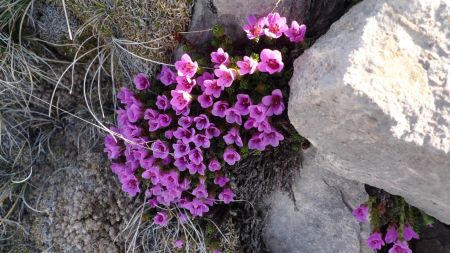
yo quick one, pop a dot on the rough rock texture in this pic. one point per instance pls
(232, 14)
(434, 240)
(256, 177)
(51, 23)
(373, 95)
(82, 207)
(321, 219)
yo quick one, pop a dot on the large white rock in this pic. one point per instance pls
(320, 221)
(373, 95)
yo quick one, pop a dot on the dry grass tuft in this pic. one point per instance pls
(112, 41)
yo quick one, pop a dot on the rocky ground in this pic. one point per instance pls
(371, 95)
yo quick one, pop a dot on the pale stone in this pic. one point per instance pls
(320, 220)
(373, 95)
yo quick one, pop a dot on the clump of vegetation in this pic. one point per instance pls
(175, 134)
(393, 222)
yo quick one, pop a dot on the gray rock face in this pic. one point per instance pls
(232, 15)
(321, 219)
(373, 95)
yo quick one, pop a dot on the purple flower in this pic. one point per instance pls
(264, 126)
(166, 161)
(242, 104)
(391, 234)
(153, 203)
(220, 57)
(256, 142)
(296, 33)
(125, 95)
(214, 165)
(148, 193)
(409, 233)
(196, 168)
(131, 131)
(247, 66)
(274, 103)
(134, 113)
(161, 218)
(153, 125)
(122, 118)
(153, 174)
(201, 121)
(257, 112)
(272, 138)
(182, 218)
(219, 109)
(147, 162)
(212, 131)
(186, 67)
(170, 179)
(185, 121)
(189, 136)
(156, 190)
(227, 195)
(230, 156)
(185, 83)
(180, 149)
(205, 100)
(141, 81)
(112, 148)
(201, 140)
(232, 116)
(212, 88)
(178, 244)
(151, 114)
(375, 242)
(276, 25)
(271, 61)
(172, 194)
(168, 134)
(181, 163)
(132, 164)
(167, 76)
(360, 213)
(160, 150)
(221, 181)
(130, 185)
(139, 153)
(164, 120)
(183, 134)
(185, 184)
(400, 247)
(197, 208)
(162, 102)
(180, 99)
(195, 156)
(200, 191)
(233, 137)
(201, 79)
(226, 76)
(185, 111)
(254, 27)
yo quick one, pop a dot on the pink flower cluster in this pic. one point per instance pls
(274, 26)
(172, 146)
(375, 240)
